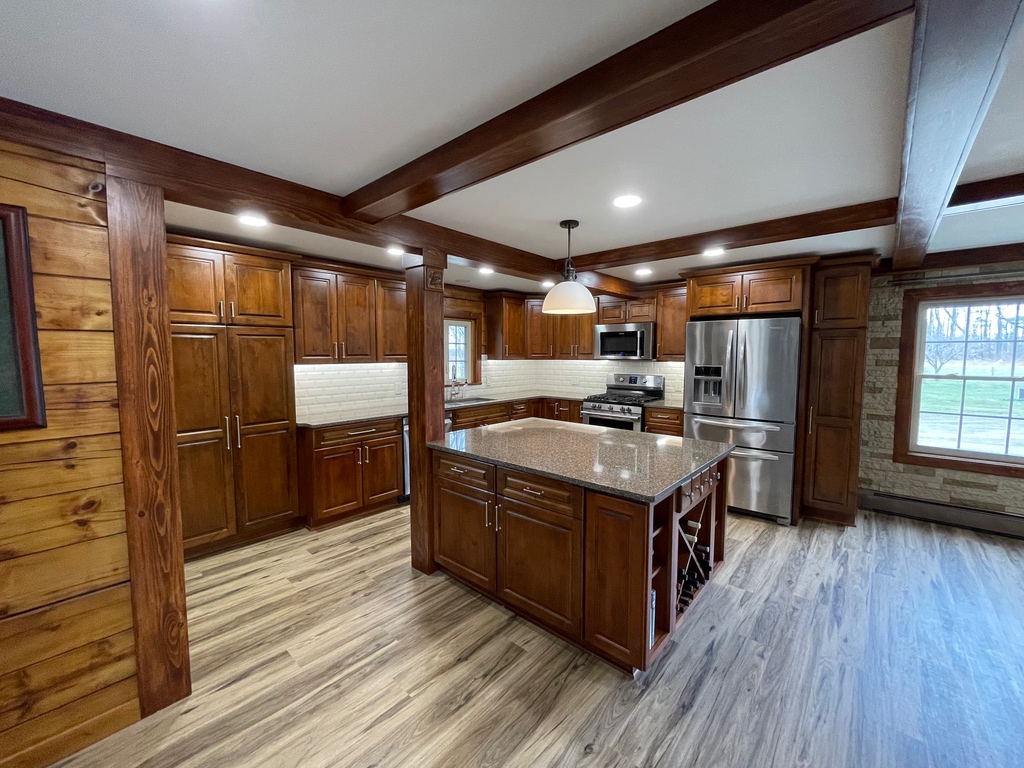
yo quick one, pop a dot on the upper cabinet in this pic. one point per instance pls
(346, 318)
(574, 336)
(779, 289)
(215, 288)
(506, 326)
(841, 296)
(614, 310)
(540, 331)
(671, 331)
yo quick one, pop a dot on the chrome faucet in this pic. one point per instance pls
(456, 386)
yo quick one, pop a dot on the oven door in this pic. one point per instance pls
(614, 421)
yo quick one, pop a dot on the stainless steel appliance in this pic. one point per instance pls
(742, 381)
(624, 341)
(621, 405)
(405, 445)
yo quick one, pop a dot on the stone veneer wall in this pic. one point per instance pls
(878, 472)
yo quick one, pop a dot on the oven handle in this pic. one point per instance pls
(609, 415)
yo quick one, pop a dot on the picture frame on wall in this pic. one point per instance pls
(21, 381)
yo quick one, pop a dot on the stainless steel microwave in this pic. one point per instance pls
(624, 341)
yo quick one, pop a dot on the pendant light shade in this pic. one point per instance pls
(569, 297)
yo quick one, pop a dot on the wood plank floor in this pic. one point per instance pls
(896, 643)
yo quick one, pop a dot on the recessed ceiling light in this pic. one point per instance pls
(643, 272)
(486, 271)
(548, 284)
(252, 220)
(626, 201)
(396, 250)
(714, 251)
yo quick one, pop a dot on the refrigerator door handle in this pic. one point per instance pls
(741, 371)
(737, 425)
(739, 453)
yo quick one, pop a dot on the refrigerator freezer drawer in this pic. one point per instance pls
(761, 482)
(765, 435)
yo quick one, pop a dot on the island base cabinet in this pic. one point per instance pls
(463, 533)
(616, 583)
(540, 564)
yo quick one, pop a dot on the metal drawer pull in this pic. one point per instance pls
(363, 432)
(759, 427)
(528, 489)
(660, 416)
(227, 432)
(457, 471)
(238, 431)
(718, 475)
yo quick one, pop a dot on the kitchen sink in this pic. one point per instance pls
(468, 400)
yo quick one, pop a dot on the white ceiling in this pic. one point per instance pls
(822, 131)
(978, 228)
(328, 94)
(185, 219)
(999, 148)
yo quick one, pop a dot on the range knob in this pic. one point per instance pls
(623, 408)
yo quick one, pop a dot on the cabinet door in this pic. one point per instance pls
(514, 328)
(671, 330)
(392, 345)
(565, 336)
(262, 393)
(615, 582)
(200, 360)
(356, 319)
(383, 470)
(464, 532)
(841, 296)
(539, 342)
(585, 336)
(774, 290)
(715, 294)
(316, 316)
(540, 564)
(569, 410)
(640, 311)
(195, 285)
(258, 290)
(611, 310)
(833, 451)
(338, 480)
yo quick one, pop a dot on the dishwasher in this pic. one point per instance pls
(405, 451)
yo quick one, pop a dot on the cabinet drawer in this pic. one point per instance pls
(463, 470)
(329, 436)
(663, 416)
(542, 492)
(483, 414)
(521, 409)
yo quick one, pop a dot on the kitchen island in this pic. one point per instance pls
(602, 536)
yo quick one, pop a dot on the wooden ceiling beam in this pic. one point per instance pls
(988, 193)
(848, 218)
(971, 257)
(720, 44)
(192, 179)
(959, 55)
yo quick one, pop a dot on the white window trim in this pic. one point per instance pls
(919, 378)
(468, 325)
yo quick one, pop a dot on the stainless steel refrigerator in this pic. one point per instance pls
(742, 380)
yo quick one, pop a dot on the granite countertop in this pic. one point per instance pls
(633, 465)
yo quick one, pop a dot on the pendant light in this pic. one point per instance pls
(569, 297)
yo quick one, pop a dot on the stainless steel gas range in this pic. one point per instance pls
(621, 405)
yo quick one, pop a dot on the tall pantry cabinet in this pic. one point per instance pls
(232, 353)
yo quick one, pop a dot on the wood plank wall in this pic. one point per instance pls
(67, 649)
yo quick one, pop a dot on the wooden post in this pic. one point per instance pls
(424, 280)
(142, 341)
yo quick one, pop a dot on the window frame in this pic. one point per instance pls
(473, 366)
(904, 451)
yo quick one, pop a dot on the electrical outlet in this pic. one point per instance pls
(398, 388)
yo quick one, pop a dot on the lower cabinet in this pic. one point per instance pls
(348, 469)
(464, 533)
(562, 410)
(663, 421)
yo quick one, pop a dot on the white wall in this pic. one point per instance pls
(326, 393)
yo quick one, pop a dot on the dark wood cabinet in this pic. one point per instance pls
(203, 414)
(640, 311)
(615, 581)
(540, 564)
(506, 320)
(480, 415)
(715, 294)
(392, 343)
(672, 319)
(540, 331)
(550, 409)
(775, 289)
(262, 393)
(561, 410)
(574, 336)
(211, 287)
(258, 290)
(315, 301)
(663, 421)
(356, 319)
(841, 296)
(464, 532)
(615, 310)
(350, 469)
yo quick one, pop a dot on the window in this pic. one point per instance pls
(458, 350)
(964, 381)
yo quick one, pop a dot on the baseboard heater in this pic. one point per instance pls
(1001, 523)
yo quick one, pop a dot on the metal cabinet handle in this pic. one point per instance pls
(220, 310)
(551, 350)
(815, 317)
(367, 449)
(506, 350)
(335, 350)
(227, 433)
(232, 305)
(528, 489)
(344, 352)
(238, 431)
(457, 471)
(660, 416)
(745, 299)
(362, 432)
(718, 475)
(487, 514)
(359, 456)
(810, 422)
(737, 301)
(497, 519)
